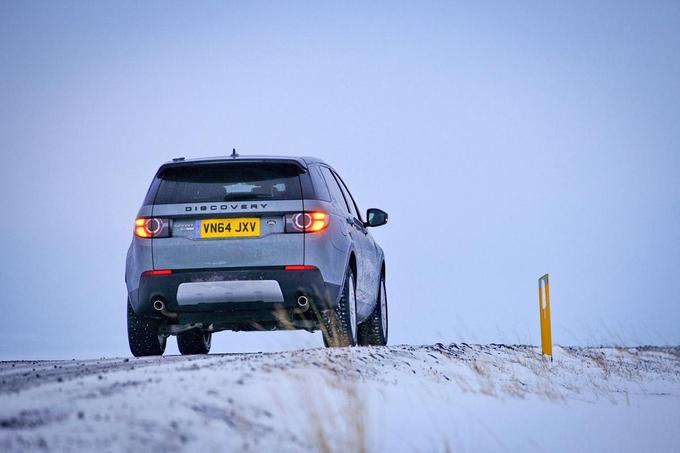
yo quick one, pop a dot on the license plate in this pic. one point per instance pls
(228, 228)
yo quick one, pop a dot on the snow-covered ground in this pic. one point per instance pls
(455, 397)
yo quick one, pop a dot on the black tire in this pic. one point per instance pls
(194, 342)
(373, 331)
(340, 324)
(143, 335)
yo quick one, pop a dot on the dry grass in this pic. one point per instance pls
(330, 414)
(486, 383)
(336, 423)
(335, 413)
(283, 319)
(331, 417)
(601, 361)
(542, 368)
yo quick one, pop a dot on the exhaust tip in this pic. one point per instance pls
(159, 306)
(303, 302)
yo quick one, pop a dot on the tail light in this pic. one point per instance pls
(152, 227)
(307, 222)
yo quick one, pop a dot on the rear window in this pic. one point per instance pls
(228, 182)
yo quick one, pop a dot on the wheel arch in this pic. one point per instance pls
(352, 263)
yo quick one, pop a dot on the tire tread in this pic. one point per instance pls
(143, 335)
(337, 331)
(371, 331)
(192, 342)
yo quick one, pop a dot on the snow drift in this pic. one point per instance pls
(400, 398)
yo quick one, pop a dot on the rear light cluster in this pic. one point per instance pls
(307, 222)
(299, 222)
(152, 227)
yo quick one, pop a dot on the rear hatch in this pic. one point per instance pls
(228, 215)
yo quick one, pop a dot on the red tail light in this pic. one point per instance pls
(307, 222)
(300, 267)
(151, 227)
(158, 272)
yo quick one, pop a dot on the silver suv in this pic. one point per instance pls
(253, 243)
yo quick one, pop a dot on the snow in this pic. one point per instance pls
(454, 397)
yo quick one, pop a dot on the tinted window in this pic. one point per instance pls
(151, 193)
(334, 188)
(320, 188)
(353, 208)
(228, 182)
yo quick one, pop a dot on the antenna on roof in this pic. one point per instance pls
(234, 154)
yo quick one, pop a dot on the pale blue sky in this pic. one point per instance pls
(505, 140)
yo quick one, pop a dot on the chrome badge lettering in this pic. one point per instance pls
(226, 207)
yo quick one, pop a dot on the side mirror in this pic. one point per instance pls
(376, 217)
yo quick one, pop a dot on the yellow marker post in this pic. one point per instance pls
(544, 309)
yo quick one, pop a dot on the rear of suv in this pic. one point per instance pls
(253, 243)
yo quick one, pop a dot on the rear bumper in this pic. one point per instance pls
(292, 284)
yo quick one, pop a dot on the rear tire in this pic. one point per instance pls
(143, 335)
(194, 342)
(340, 324)
(373, 331)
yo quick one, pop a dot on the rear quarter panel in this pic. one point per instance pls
(328, 250)
(138, 260)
